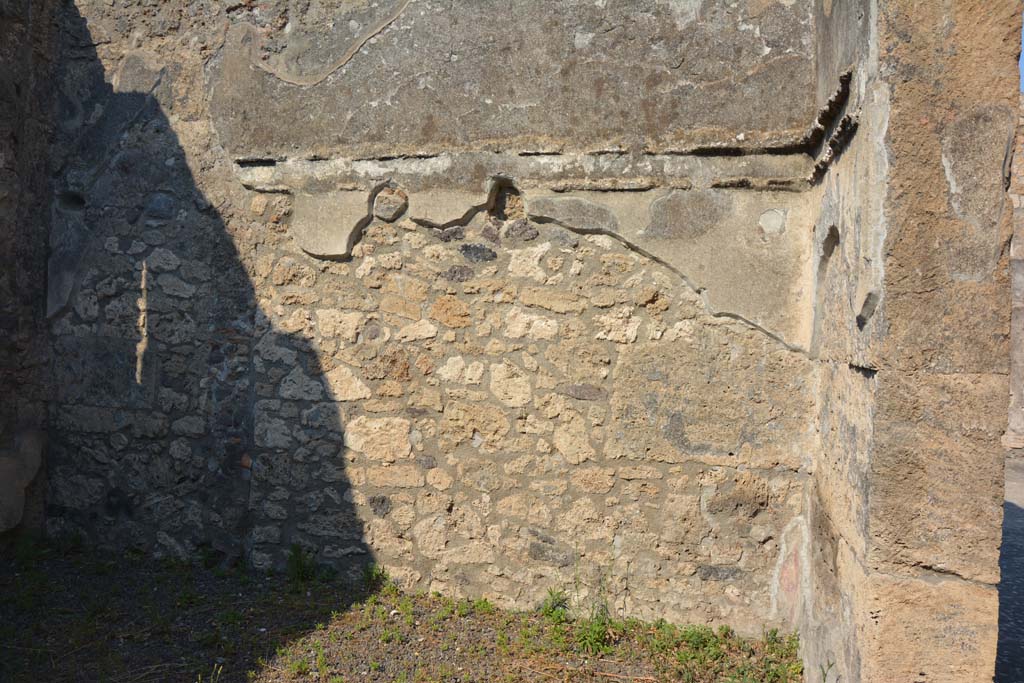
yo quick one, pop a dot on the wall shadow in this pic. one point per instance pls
(165, 366)
(1010, 655)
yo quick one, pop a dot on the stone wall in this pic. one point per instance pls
(26, 52)
(694, 308)
(451, 365)
(1013, 440)
(907, 506)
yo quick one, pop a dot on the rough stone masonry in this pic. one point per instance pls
(697, 307)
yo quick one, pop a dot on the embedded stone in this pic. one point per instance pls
(582, 392)
(417, 331)
(344, 385)
(574, 212)
(458, 274)
(390, 204)
(450, 312)
(521, 230)
(572, 441)
(477, 253)
(510, 385)
(379, 438)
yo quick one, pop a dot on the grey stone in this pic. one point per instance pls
(574, 212)
(458, 274)
(520, 230)
(453, 234)
(560, 556)
(677, 81)
(477, 253)
(381, 505)
(583, 392)
(390, 204)
(160, 206)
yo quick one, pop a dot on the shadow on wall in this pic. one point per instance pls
(163, 357)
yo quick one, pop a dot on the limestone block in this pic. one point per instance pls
(329, 224)
(940, 631)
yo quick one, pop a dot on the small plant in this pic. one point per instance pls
(503, 643)
(555, 607)
(483, 606)
(405, 607)
(321, 658)
(299, 667)
(215, 674)
(375, 577)
(594, 635)
(300, 568)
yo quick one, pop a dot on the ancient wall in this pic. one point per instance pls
(907, 506)
(1013, 440)
(26, 53)
(498, 363)
(698, 308)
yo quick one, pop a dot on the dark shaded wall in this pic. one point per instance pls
(26, 54)
(156, 331)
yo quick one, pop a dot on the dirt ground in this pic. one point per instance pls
(69, 614)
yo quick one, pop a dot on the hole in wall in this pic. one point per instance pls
(508, 204)
(828, 249)
(256, 163)
(867, 309)
(69, 200)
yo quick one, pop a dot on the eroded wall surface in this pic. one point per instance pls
(907, 506)
(488, 354)
(692, 307)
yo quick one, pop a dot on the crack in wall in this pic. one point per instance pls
(349, 54)
(701, 292)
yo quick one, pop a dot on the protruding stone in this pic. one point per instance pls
(344, 385)
(390, 204)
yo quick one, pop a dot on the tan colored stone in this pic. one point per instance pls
(571, 440)
(342, 324)
(439, 479)
(463, 421)
(400, 306)
(398, 476)
(344, 385)
(519, 324)
(593, 479)
(510, 385)
(618, 326)
(450, 312)
(417, 331)
(379, 438)
(552, 299)
(526, 262)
